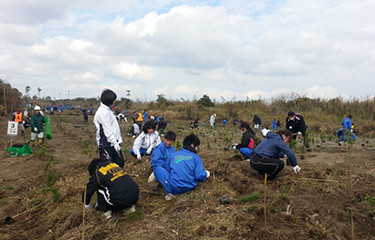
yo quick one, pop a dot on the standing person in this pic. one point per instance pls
(185, 169)
(19, 118)
(146, 141)
(235, 121)
(138, 118)
(247, 143)
(224, 122)
(266, 155)
(212, 120)
(85, 116)
(295, 123)
(37, 121)
(162, 153)
(274, 124)
(108, 135)
(278, 125)
(145, 116)
(115, 189)
(257, 122)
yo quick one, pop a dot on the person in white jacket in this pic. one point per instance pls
(146, 141)
(108, 135)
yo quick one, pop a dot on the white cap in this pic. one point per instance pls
(37, 108)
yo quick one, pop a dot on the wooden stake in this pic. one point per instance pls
(83, 215)
(265, 201)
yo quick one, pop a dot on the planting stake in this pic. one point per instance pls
(265, 201)
(83, 215)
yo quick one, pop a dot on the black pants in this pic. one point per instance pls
(263, 165)
(110, 154)
(131, 200)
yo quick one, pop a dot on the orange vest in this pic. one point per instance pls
(18, 117)
(139, 118)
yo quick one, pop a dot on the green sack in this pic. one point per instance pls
(48, 128)
(20, 151)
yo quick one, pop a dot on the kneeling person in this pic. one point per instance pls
(184, 171)
(115, 189)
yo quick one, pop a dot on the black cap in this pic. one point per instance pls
(291, 114)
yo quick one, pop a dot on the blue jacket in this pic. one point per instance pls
(160, 155)
(186, 169)
(347, 123)
(275, 147)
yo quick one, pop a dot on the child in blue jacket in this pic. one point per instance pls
(162, 153)
(184, 171)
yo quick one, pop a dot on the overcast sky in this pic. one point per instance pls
(229, 49)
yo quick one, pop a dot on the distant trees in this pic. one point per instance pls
(205, 101)
(9, 98)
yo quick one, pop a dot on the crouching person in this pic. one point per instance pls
(115, 189)
(184, 171)
(266, 157)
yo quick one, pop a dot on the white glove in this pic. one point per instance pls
(234, 146)
(149, 150)
(35, 129)
(296, 169)
(139, 157)
(88, 206)
(299, 133)
(23, 122)
(208, 173)
(117, 147)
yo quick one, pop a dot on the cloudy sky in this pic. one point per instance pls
(228, 49)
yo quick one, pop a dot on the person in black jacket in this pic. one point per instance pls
(295, 123)
(115, 189)
(247, 143)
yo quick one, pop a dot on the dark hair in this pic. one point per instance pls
(291, 114)
(286, 133)
(191, 139)
(93, 165)
(247, 126)
(170, 136)
(149, 125)
(350, 116)
(108, 97)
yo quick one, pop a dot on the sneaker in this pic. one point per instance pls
(247, 160)
(169, 196)
(129, 210)
(133, 136)
(151, 178)
(109, 217)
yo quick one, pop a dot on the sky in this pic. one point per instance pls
(228, 49)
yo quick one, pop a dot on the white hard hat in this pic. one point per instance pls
(37, 108)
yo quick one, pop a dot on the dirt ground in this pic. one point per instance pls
(333, 197)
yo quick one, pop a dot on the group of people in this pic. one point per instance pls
(176, 171)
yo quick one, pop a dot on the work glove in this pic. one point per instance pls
(89, 206)
(299, 133)
(149, 150)
(35, 129)
(117, 147)
(296, 169)
(208, 173)
(139, 157)
(234, 146)
(23, 122)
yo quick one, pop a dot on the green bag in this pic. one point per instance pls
(20, 151)
(48, 128)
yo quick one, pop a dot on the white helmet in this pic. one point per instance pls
(37, 108)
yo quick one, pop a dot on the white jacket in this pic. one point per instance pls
(104, 117)
(145, 140)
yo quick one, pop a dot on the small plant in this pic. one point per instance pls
(178, 145)
(370, 200)
(208, 145)
(51, 179)
(293, 144)
(250, 198)
(55, 193)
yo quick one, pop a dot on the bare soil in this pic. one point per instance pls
(329, 199)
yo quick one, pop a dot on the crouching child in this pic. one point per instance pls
(115, 189)
(184, 171)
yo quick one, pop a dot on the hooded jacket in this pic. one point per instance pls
(275, 147)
